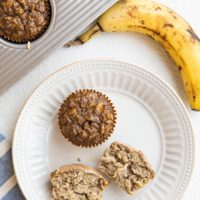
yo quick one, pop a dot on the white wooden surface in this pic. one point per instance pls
(129, 47)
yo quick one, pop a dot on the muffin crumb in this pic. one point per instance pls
(126, 166)
(77, 182)
(28, 45)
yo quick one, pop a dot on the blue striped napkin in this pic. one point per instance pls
(9, 189)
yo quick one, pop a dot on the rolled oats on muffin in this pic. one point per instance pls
(87, 118)
(127, 167)
(23, 21)
(77, 182)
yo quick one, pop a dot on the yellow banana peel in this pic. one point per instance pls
(166, 27)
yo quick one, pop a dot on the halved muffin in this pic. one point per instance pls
(77, 182)
(126, 166)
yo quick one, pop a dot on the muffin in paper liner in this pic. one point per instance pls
(24, 21)
(87, 118)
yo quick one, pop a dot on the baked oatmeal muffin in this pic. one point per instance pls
(87, 118)
(126, 166)
(23, 21)
(77, 182)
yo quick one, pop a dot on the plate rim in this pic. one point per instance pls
(128, 65)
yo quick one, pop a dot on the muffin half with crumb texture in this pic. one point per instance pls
(127, 167)
(87, 118)
(77, 182)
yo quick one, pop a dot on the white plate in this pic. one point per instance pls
(150, 117)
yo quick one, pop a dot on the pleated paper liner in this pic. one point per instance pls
(20, 39)
(86, 142)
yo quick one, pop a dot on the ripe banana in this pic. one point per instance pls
(163, 25)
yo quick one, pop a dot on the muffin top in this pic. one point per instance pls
(23, 20)
(87, 118)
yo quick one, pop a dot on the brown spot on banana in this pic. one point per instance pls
(142, 22)
(164, 37)
(122, 1)
(193, 34)
(173, 14)
(157, 8)
(134, 7)
(168, 25)
(130, 14)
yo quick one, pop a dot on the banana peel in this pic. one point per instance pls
(164, 26)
